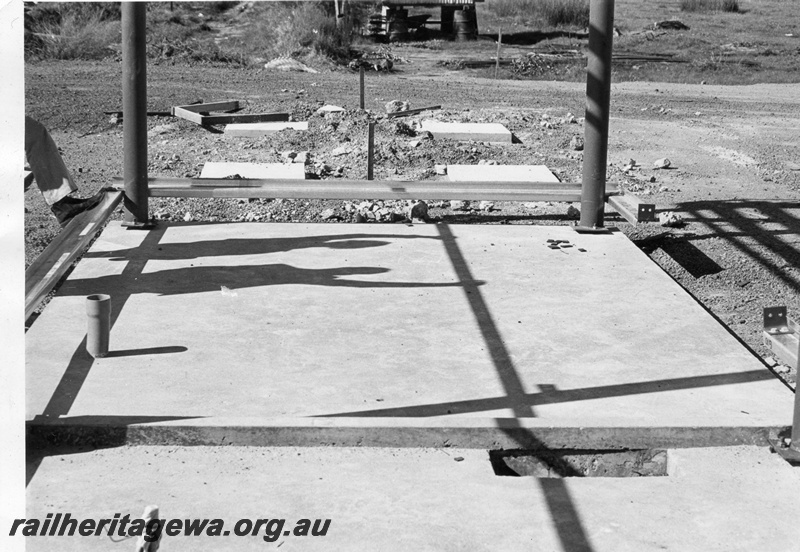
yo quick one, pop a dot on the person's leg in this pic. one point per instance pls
(49, 170)
(52, 176)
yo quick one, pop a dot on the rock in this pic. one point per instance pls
(418, 210)
(576, 143)
(486, 206)
(414, 143)
(289, 64)
(325, 109)
(341, 150)
(302, 157)
(187, 217)
(662, 163)
(396, 105)
(671, 25)
(440, 169)
(328, 214)
(458, 205)
(670, 219)
(288, 156)
(573, 212)
(570, 119)
(360, 218)
(402, 128)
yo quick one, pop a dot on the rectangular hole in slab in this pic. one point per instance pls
(579, 463)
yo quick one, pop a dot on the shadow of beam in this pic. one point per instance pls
(555, 396)
(512, 384)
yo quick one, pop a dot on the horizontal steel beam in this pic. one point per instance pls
(367, 189)
(48, 268)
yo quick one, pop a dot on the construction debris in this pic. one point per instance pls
(396, 106)
(288, 64)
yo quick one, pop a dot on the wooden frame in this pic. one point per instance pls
(198, 113)
(412, 111)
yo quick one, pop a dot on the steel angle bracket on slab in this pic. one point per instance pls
(782, 336)
(632, 209)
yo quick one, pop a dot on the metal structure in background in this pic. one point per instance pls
(134, 109)
(598, 99)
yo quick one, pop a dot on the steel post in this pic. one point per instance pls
(370, 149)
(134, 109)
(361, 87)
(598, 96)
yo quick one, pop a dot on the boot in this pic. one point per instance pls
(67, 208)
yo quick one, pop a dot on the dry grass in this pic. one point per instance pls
(71, 31)
(555, 13)
(710, 5)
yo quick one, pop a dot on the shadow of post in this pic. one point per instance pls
(566, 520)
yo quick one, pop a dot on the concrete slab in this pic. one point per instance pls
(282, 171)
(399, 329)
(261, 129)
(500, 173)
(479, 132)
(731, 499)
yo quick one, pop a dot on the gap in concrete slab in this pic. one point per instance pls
(579, 463)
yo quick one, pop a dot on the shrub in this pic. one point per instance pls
(566, 12)
(710, 5)
(72, 30)
(298, 30)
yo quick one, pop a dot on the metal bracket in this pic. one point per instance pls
(782, 335)
(788, 453)
(646, 212)
(776, 320)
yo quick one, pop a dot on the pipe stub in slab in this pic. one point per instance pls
(98, 311)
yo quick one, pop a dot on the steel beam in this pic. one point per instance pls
(52, 263)
(598, 96)
(134, 108)
(366, 189)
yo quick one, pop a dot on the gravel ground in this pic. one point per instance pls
(733, 176)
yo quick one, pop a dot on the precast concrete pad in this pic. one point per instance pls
(295, 171)
(393, 334)
(732, 499)
(478, 132)
(500, 173)
(254, 130)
